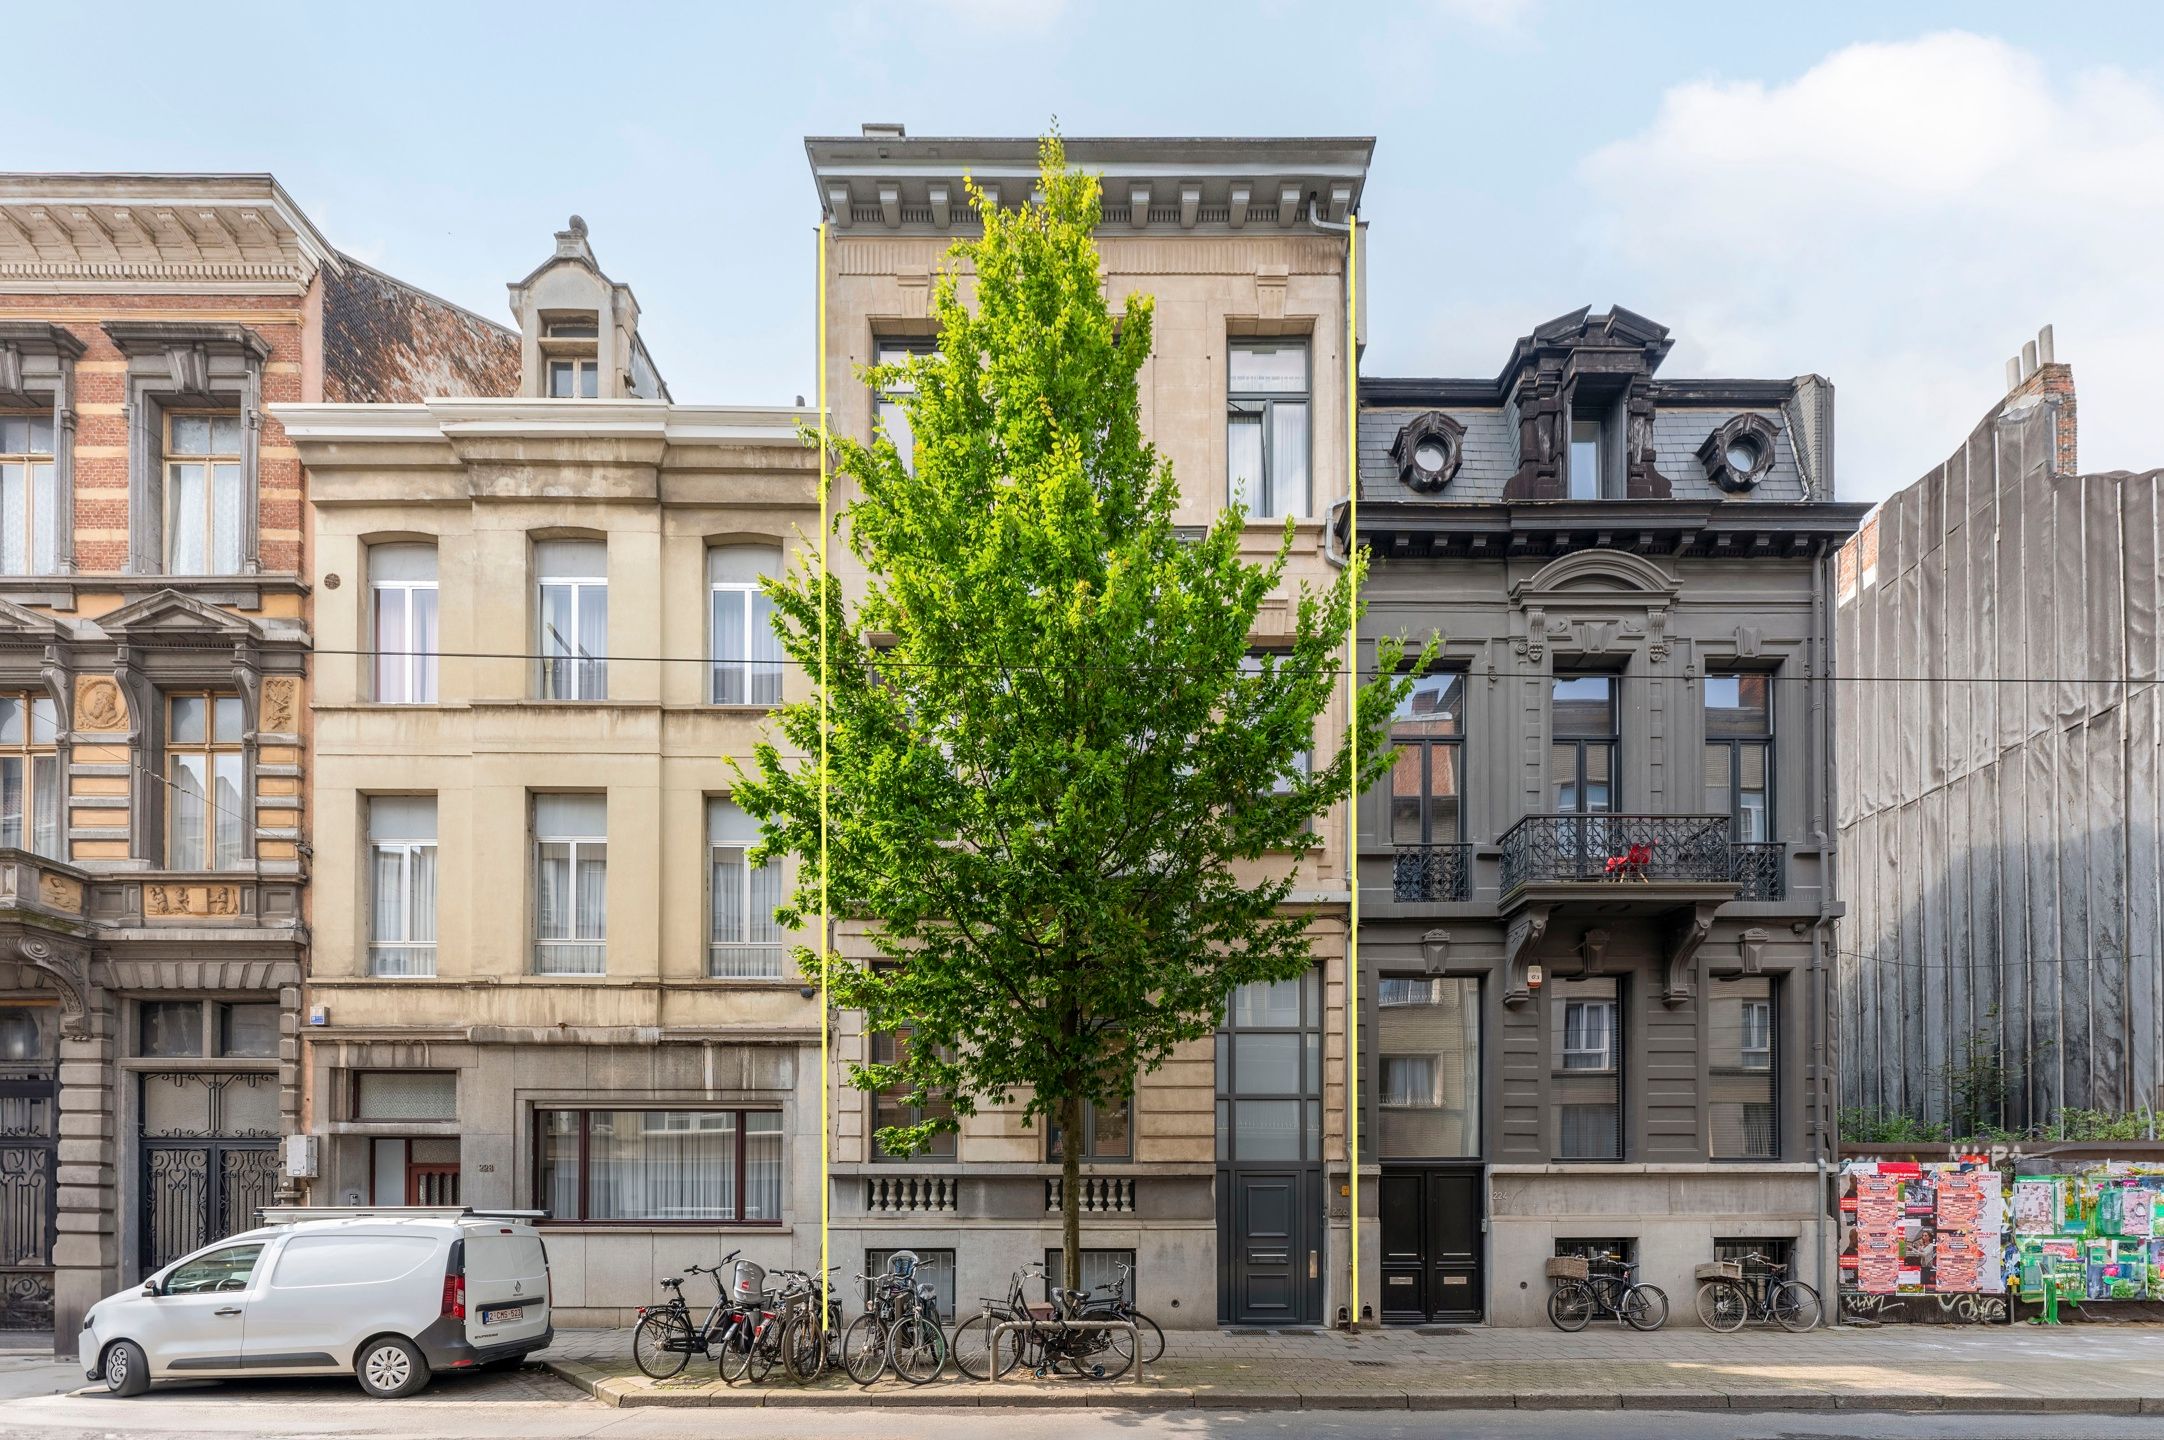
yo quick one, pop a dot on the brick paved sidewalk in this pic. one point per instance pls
(2096, 1369)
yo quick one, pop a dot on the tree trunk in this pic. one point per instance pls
(1070, 1191)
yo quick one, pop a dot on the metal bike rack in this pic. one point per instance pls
(1038, 1327)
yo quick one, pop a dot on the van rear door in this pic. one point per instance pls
(507, 1288)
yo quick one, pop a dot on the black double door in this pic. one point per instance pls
(1432, 1245)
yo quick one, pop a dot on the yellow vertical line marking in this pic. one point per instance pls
(826, 924)
(1352, 712)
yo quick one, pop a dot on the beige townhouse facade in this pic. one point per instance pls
(543, 975)
(1225, 1182)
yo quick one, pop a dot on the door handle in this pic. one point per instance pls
(228, 1310)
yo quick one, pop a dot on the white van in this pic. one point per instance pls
(390, 1296)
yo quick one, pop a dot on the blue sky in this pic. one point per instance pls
(1893, 196)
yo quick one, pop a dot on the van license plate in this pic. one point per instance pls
(503, 1315)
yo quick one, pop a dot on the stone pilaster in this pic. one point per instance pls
(86, 1244)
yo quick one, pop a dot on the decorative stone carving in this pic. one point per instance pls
(59, 892)
(163, 901)
(1592, 947)
(1518, 950)
(281, 706)
(67, 964)
(1738, 453)
(1435, 951)
(1428, 452)
(1751, 947)
(1684, 941)
(98, 704)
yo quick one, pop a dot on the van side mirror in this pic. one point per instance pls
(150, 1287)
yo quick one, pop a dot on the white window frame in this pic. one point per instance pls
(414, 959)
(211, 461)
(759, 681)
(35, 518)
(888, 404)
(1755, 1022)
(581, 847)
(1269, 504)
(1605, 1051)
(571, 676)
(412, 663)
(756, 951)
(1431, 1097)
(584, 372)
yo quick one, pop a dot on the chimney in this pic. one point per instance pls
(885, 130)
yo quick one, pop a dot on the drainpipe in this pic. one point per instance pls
(1820, 1021)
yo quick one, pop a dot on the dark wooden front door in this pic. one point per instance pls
(1272, 1237)
(1431, 1232)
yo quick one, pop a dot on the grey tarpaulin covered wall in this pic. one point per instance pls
(1998, 841)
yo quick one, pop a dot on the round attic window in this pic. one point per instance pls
(1743, 454)
(1430, 456)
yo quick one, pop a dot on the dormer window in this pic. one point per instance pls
(574, 379)
(1585, 460)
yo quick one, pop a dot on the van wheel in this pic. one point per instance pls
(127, 1372)
(391, 1366)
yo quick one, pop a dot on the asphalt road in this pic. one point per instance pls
(530, 1405)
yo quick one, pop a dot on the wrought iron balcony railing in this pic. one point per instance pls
(1761, 870)
(1618, 849)
(1432, 872)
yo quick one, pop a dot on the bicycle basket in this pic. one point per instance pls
(749, 1283)
(1719, 1270)
(1567, 1267)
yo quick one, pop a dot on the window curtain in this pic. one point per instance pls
(45, 806)
(1243, 458)
(184, 519)
(662, 1165)
(745, 940)
(227, 503)
(14, 542)
(44, 520)
(185, 796)
(1288, 459)
(229, 813)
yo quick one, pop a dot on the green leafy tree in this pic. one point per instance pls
(1050, 753)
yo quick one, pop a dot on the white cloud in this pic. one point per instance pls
(1901, 217)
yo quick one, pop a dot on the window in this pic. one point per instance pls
(402, 911)
(218, 1272)
(745, 942)
(934, 1267)
(1585, 476)
(204, 771)
(1739, 752)
(1266, 444)
(1582, 758)
(573, 579)
(1588, 1078)
(571, 882)
(1777, 1248)
(190, 1029)
(1740, 1069)
(1428, 1031)
(1618, 1247)
(890, 405)
(1101, 1270)
(574, 325)
(1426, 786)
(661, 1165)
(203, 493)
(402, 582)
(312, 1262)
(1107, 1132)
(891, 1107)
(1269, 1073)
(405, 1095)
(743, 648)
(422, 1170)
(29, 497)
(578, 379)
(30, 774)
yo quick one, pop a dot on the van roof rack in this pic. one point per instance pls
(290, 1214)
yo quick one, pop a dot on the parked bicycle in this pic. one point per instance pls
(1584, 1289)
(1050, 1337)
(771, 1326)
(1754, 1287)
(900, 1327)
(666, 1337)
(1110, 1302)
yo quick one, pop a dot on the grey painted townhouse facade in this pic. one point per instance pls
(1597, 890)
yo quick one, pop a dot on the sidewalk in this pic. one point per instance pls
(2093, 1369)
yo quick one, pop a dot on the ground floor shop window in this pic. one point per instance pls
(661, 1166)
(1100, 1270)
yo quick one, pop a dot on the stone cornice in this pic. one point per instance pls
(155, 233)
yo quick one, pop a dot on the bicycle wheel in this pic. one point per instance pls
(803, 1348)
(1113, 1353)
(917, 1349)
(1153, 1339)
(661, 1344)
(1722, 1306)
(972, 1347)
(1796, 1306)
(1570, 1306)
(1645, 1307)
(864, 1348)
(736, 1348)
